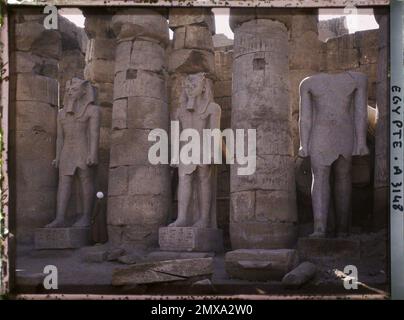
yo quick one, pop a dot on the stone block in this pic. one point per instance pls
(163, 271)
(120, 114)
(260, 265)
(191, 61)
(37, 88)
(61, 238)
(262, 235)
(100, 48)
(100, 71)
(304, 52)
(222, 88)
(27, 33)
(328, 248)
(157, 177)
(139, 83)
(190, 239)
(48, 45)
(180, 17)
(35, 117)
(147, 113)
(98, 25)
(193, 37)
(140, 23)
(224, 65)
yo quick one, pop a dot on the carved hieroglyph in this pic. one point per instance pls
(333, 126)
(76, 151)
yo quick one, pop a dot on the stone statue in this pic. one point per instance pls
(76, 150)
(333, 126)
(197, 183)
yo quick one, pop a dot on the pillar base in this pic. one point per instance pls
(190, 239)
(62, 238)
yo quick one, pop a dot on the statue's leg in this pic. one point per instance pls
(320, 197)
(184, 198)
(63, 197)
(87, 197)
(205, 188)
(343, 193)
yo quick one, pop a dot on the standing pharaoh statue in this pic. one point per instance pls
(333, 126)
(76, 151)
(197, 183)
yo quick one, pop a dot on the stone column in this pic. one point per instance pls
(138, 192)
(304, 59)
(381, 174)
(100, 62)
(34, 100)
(263, 205)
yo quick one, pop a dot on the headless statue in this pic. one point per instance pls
(197, 181)
(76, 150)
(333, 126)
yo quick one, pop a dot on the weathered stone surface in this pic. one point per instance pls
(120, 114)
(131, 258)
(304, 52)
(263, 235)
(260, 265)
(239, 16)
(100, 71)
(95, 256)
(97, 25)
(114, 254)
(139, 83)
(100, 48)
(180, 17)
(319, 248)
(157, 178)
(172, 255)
(190, 239)
(224, 65)
(27, 33)
(61, 238)
(104, 94)
(35, 117)
(48, 45)
(193, 37)
(147, 113)
(32, 87)
(163, 271)
(140, 23)
(191, 61)
(303, 273)
(25, 279)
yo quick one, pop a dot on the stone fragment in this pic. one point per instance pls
(260, 265)
(303, 273)
(190, 239)
(61, 238)
(163, 271)
(312, 249)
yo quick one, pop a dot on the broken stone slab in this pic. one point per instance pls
(190, 239)
(303, 273)
(163, 271)
(260, 264)
(61, 238)
(312, 249)
(172, 255)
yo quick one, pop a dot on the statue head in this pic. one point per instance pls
(79, 93)
(197, 85)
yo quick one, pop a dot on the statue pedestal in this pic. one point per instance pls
(190, 239)
(313, 249)
(260, 264)
(62, 238)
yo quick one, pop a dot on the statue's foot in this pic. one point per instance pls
(317, 234)
(57, 223)
(201, 223)
(178, 223)
(83, 222)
